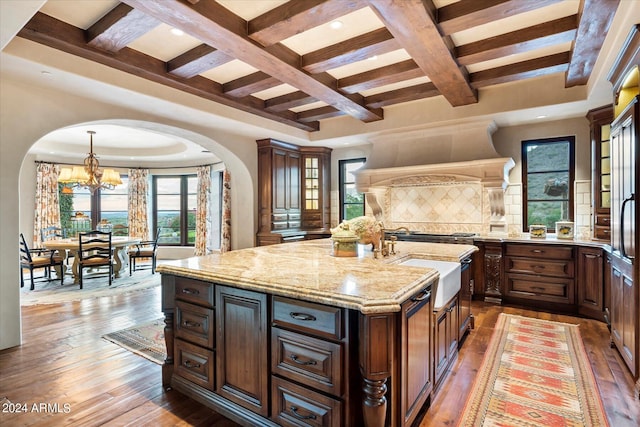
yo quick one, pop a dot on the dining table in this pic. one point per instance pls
(69, 248)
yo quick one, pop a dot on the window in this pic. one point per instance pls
(351, 202)
(174, 209)
(547, 181)
(111, 205)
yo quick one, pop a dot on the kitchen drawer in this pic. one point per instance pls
(560, 268)
(540, 288)
(279, 225)
(603, 220)
(194, 363)
(195, 324)
(294, 224)
(293, 216)
(293, 405)
(602, 232)
(305, 316)
(536, 250)
(195, 291)
(313, 223)
(293, 238)
(279, 217)
(313, 216)
(307, 360)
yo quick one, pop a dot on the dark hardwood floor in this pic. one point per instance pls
(65, 361)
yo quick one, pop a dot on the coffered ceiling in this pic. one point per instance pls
(291, 62)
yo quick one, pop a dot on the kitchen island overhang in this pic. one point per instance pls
(372, 293)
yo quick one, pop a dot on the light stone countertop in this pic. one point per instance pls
(307, 271)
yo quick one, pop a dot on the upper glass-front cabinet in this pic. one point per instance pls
(605, 171)
(311, 183)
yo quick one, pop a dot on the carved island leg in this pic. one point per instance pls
(167, 366)
(168, 293)
(376, 360)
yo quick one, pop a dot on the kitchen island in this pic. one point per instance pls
(289, 335)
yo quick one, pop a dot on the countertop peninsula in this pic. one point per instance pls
(306, 270)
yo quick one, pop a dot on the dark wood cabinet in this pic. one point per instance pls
(591, 282)
(465, 316)
(293, 191)
(488, 271)
(242, 373)
(416, 354)
(600, 124)
(538, 274)
(445, 342)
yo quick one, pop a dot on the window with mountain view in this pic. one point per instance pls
(547, 181)
(174, 209)
(351, 202)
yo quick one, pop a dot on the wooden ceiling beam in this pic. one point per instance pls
(196, 61)
(214, 25)
(595, 20)
(467, 14)
(289, 100)
(252, 83)
(547, 34)
(406, 94)
(59, 35)
(377, 42)
(318, 114)
(382, 76)
(295, 17)
(411, 24)
(119, 27)
(521, 70)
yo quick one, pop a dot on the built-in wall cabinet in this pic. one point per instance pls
(600, 123)
(293, 192)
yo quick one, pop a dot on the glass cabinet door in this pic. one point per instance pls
(605, 168)
(312, 183)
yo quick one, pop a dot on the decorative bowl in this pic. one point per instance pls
(564, 229)
(538, 231)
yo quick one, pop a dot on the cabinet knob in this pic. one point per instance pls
(302, 316)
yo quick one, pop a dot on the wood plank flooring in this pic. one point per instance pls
(65, 362)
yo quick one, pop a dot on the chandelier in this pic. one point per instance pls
(90, 176)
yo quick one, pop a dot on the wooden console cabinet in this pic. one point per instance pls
(293, 191)
(600, 123)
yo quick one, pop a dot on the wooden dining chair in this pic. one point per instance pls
(38, 258)
(95, 249)
(144, 249)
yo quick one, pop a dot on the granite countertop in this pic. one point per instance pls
(307, 271)
(550, 239)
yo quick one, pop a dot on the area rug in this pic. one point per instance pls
(145, 340)
(51, 292)
(535, 373)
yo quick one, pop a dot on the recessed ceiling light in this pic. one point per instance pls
(46, 74)
(372, 58)
(541, 116)
(177, 32)
(336, 25)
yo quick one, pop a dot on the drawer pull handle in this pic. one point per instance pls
(189, 364)
(190, 324)
(294, 411)
(296, 359)
(537, 251)
(302, 316)
(190, 291)
(538, 288)
(539, 267)
(422, 296)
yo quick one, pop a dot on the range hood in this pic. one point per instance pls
(453, 153)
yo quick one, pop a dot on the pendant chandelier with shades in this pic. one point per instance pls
(90, 176)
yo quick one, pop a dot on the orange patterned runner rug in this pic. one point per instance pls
(535, 373)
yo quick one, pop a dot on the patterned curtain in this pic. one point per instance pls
(47, 209)
(202, 210)
(225, 241)
(137, 203)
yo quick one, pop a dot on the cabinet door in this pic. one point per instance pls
(590, 282)
(464, 303)
(242, 348)
(293, 181)
(624, 312)
(416, 382)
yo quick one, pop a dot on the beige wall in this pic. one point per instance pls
(28, 113)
